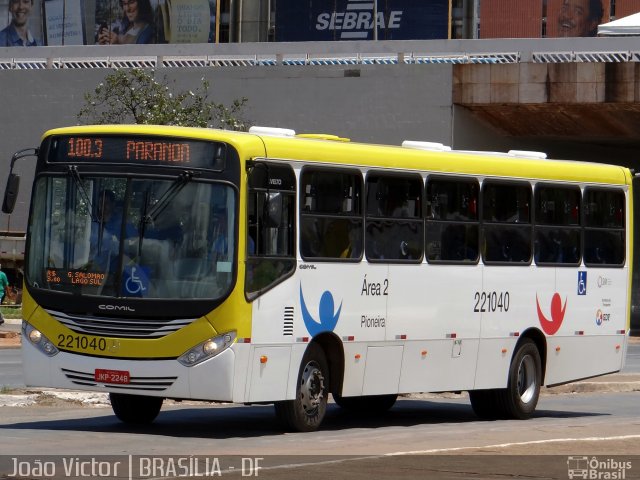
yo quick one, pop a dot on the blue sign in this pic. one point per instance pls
(324, 20)
(135, 281)
(582, 283)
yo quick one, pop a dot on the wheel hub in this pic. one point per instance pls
(526, 379)
(311, 388)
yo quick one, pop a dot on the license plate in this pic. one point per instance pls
(112, 376)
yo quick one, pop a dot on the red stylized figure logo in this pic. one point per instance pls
(557, 314)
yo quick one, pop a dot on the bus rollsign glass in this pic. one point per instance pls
(140, 150)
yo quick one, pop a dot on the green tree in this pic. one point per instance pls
(135, 96)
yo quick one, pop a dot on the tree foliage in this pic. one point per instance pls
(135, 96)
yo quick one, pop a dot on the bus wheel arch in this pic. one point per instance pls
(334, 352)
(541, 343)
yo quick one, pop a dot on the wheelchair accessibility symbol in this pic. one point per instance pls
(136, 281)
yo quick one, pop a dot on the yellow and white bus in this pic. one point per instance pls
(259, 267)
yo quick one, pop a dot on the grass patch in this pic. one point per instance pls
(11, 312)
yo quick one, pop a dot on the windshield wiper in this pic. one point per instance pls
(162, 203)
(77, 180)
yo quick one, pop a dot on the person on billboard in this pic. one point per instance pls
(580, 18)
(136, 25)
(17, 33)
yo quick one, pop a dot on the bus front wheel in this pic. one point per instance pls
(135, 409)
(306, 412)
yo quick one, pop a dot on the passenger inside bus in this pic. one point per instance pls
(106, 230)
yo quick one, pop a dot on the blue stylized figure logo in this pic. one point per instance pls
(328, 318)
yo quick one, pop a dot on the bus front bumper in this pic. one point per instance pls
(212, 379)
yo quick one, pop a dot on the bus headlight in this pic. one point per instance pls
(39, 341)
(207, 349)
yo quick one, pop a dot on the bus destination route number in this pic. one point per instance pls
(138, 151)
(489, 302)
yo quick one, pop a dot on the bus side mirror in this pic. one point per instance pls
(11, 193)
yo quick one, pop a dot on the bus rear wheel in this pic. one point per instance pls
(520, 398)
(306, 412)
(135, 409)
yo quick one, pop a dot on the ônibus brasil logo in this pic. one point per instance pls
(328, 317)
(551, 326)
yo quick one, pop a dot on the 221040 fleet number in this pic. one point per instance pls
(79, 341)
(491, 302)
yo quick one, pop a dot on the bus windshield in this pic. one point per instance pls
(132, 237)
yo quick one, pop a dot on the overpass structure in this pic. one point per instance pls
(587, 88)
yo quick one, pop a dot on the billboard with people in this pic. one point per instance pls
(30, 23)
(549, 18)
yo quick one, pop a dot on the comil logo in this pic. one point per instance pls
(359, 20)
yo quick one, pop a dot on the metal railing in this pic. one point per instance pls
(452, 52)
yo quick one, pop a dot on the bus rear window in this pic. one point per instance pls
(604, 227)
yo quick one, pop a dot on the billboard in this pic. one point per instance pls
(576, 18)
(63, 22)
(21, 23)
(154, 21)
(106, 22)
(325, 20)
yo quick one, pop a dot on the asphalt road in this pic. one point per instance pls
(425, 438)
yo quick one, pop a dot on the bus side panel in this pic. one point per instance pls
(431, 308)
(573, 358)
(591, 339)
(349, 300)
(269, 373)
(507, 304)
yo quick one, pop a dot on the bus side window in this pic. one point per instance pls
(270, 243)
(557, 237)
(604, 227)
(331, 214)
(452, 220)
(506, 216)
(394, 225)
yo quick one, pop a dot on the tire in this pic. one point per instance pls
(306, 412)
(135, 409)
(483, 403)
(520, 398)
(369, 404)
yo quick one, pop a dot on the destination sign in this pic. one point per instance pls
(75, 277)
(138, 150)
